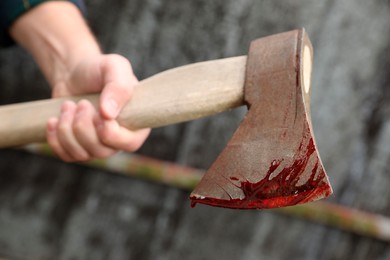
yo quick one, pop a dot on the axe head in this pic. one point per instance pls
(272, 159)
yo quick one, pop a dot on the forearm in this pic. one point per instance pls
(60, 41)
(57, 36)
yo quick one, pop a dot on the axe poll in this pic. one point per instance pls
(272, 159)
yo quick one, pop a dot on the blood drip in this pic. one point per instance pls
(281, 190)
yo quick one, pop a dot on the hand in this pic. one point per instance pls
(69, 56)
(81, 132)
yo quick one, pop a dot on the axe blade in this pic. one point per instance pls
(272, 159)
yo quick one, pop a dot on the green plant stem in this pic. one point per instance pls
(331, 214)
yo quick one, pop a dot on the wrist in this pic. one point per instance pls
(56, 34)
(67, 61)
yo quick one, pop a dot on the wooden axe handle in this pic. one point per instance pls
(176, 95)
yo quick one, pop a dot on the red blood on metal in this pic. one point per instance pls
(281, 189)
(272, 159)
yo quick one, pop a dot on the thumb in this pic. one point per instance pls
(119, 82)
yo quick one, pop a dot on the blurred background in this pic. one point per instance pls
(53, 210)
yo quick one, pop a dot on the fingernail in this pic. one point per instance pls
(64, 112)
(112, 107)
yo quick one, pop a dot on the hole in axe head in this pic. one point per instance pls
(307, 68)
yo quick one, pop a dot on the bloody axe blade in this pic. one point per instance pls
(272, 159)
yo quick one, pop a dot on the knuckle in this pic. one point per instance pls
(61, 154)
(134, 145)
(82, 157)
(113, 57)
(138, 140)
(106, 136)
(63, 128)
(83, 102)
(79, 125)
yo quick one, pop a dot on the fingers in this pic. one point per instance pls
(52, 140)
(61, 138)
(79, 134)
(82, 133)
(119, 81)
(114, 135)
(85, 132)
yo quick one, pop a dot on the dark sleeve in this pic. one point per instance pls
(10, 10)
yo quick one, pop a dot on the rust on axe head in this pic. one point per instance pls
(272, 159)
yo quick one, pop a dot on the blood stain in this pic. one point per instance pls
(281, 190)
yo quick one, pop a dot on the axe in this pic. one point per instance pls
(272, 159)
